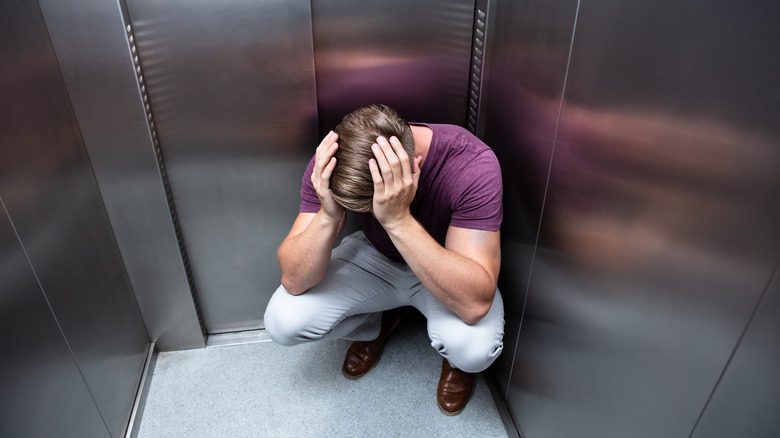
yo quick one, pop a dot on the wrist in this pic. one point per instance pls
(397, 226)
(329, 220)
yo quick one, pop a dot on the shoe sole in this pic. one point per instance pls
(450, 414)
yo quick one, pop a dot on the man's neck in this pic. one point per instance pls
(422, 140)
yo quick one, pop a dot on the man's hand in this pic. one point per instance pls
(324, 163)
(395, 181)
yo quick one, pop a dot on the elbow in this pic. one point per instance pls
(292, 287)
(475, 313)
(479, 307)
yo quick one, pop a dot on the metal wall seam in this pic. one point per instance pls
(161, 165)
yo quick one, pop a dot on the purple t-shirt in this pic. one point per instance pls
(460, 185)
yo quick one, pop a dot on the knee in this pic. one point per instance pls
(285, 324)
(469, 353)
(278, 330)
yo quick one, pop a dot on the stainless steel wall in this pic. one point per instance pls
(746, 401)
(527, 72)
(413, 56)
(73, 343)
(41, 387)
(645, 159)
(96, 59)
(231, 90)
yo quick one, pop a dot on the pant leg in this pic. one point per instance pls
(471, 348)
(359, 282)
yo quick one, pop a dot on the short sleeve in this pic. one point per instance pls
(479, 194)
(310, 203)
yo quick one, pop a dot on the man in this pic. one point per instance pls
(429, 202)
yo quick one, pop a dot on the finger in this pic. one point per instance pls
(325, 156)
(328, 171)
(390, 155)
(376, 176)
(327, 140)
(324, 149)
(392, 159)
(382, 163)
(403, 158)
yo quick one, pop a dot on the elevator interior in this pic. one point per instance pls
(152, 152)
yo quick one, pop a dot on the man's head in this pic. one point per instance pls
(351, 184)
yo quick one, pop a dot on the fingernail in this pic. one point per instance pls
(374, 147)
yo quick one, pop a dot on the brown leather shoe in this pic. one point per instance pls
(362, 356)
(454, 389)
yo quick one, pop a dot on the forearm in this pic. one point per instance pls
(457, 281)
(304, 257)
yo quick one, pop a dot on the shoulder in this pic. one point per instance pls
(460, 148)
(451, 131)
(455, 139)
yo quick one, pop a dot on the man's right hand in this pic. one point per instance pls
(324, 163)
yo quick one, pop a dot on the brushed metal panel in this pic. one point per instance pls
(659, 227)
(747, 398)
(50, 194)
(413, 56)
(42, 390)
(231, 87)
(528, 67)
(93, 52)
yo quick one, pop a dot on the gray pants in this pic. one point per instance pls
(361, 283)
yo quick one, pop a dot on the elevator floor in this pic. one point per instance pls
(267, 390)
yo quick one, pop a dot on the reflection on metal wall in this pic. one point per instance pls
(530, 55)
(659, 231)
(70, 313)
(98, 70)
(231, 89)
(410, 55)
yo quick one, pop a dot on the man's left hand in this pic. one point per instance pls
(395, 181)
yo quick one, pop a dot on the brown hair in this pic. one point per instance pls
(350, 183)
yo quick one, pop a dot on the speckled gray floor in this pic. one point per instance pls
(266, 390)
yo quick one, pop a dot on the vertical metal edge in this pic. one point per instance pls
(489, 7)
(314, 70)
(476, 58)
(134, 424)
(88, 159)
(161, 166)
(544, 198)
(166, 308)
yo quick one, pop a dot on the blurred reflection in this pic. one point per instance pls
(630, 186)
(413, 56)
(626, 185)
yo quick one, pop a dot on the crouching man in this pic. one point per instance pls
(428, 198)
